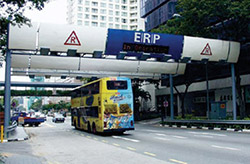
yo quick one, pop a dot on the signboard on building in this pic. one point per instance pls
(136, 42)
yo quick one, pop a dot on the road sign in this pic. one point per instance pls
(73, 40)
(206, 50)
(165, 103)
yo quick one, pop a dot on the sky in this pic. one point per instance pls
(53, 12)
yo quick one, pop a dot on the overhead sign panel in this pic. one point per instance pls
(136, 42)
(23, 37)
(211, 49)
(61, 38)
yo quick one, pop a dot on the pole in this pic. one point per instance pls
(233, 92)
(207, 84)
(1, 133)
(171, 97)
(7, 92)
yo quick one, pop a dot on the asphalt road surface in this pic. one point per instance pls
(56, 143)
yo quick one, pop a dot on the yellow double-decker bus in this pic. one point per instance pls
(104, 105)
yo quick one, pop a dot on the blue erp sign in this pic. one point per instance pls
(136, 42)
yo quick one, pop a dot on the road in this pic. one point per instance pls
(55, 143)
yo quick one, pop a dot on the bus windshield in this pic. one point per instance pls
(114, 85)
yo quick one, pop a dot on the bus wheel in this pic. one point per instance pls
(75, 125)
(93, 128)
(89, 128)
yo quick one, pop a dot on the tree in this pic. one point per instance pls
(224, 19)
(12, 12)
(36, 105)
(139, 92)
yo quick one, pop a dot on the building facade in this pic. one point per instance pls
(157, 12)
(117, 14)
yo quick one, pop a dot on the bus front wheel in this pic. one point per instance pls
(93, 128)
(89, 128)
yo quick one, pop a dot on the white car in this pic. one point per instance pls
(58, 118)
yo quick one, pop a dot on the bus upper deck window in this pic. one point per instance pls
(114, 85)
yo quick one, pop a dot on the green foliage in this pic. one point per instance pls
(224, 19)
(36, 105)
(12, 12)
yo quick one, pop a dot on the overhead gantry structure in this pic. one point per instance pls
(67, 50)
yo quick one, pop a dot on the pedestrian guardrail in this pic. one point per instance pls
(12, 127)
(211, 124)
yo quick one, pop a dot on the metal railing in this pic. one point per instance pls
(211, 124)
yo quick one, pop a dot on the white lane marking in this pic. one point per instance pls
(160, 138)
(154, 131)
(51, 126)
(130, 148)
(227, 148)
(180, 137)
(126, 139)
(204, 136)
(159, 134)
(177, 161)
(151, 154)
(212, 134)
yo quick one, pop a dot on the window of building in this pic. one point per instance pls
(125, 27)
(111, 19)
(94, 24)
(103, 4)
(102, 24)
(117, 1)
(111, 6)
(124, 20)
(110, 25)
(79, 15)
(80, 2)
(79, 22)
(117, 13)
(87, 3)
(117, 7)
(117, 19)
(103, 11)
(86, 16)
(110, 0)
(86, 23)
(86, 9)
(124, 14)
(117, 26)
(94, 17)
(110, 12)
(124, 8)
(94, 10)
(94, 3)
(79, 8)
(103, 18)
(124, 1)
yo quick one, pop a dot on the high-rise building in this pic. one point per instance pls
(117, 14)
(157, 12)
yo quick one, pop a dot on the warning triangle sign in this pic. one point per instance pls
(73, 40)
(206, 50)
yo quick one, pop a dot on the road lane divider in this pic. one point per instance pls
(130, 148)
(226, 148)
(104, 141)
(177, 161)
(150, 154)
(180, 137)
(161, 138)
(116, 144)
(126, 139)
(204, 136)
